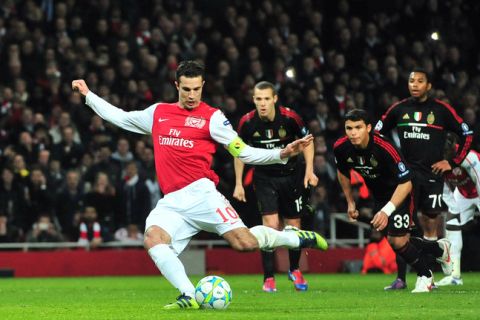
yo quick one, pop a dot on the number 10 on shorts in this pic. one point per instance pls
(227, 214)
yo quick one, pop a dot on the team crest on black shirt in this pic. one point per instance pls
(430, 118)
(269, 133)
(417, 116)
(282, 132)
(373, 161)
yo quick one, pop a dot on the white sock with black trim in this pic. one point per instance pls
(172, 268)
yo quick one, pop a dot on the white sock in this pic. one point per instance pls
(457, 269)
(269, 238)
(456, 239)
(171, 268)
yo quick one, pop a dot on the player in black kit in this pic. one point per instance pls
(389, 179)
(422, 124)
(279, 189)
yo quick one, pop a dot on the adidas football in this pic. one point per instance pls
(213, 292)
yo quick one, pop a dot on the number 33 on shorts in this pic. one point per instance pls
(227, 214)
(401, 221)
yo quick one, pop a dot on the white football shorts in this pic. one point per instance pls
(464, 206)
(185, 212)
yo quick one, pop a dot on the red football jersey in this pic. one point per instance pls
(460, 178)
(183, 145)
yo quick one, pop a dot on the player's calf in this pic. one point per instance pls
(445, 260)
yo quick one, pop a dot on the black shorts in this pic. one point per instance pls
(428, 194)
(279, 194)
(400, 221)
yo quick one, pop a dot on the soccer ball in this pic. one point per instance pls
(213, 292)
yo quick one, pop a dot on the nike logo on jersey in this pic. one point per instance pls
(162, 120)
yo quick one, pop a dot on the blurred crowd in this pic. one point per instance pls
(66, 175)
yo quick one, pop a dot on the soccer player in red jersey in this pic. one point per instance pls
(185, 135)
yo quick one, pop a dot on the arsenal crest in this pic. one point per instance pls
(195, 122)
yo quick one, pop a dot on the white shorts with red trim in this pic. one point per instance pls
(196, 207)
(466, 207)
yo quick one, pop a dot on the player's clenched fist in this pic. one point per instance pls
(352, 212)
(80, 86)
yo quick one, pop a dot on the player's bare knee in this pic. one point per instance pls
(272, 221)
(155, 235)
(397, 242)
(296, 222)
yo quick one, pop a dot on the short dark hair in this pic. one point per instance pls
(190, 69)
(262, 85)
(424, 71)
(357, 115)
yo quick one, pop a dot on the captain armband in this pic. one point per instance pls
(388, 208)
(236, 146)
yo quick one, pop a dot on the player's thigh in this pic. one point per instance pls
(171, 221)
(272, 220)
(461, 210)
(291, 201)
(400, 222)
(428, 196)
(266, 194)
(398, 241)
(214, 213)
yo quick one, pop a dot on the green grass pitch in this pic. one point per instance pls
(330, 296)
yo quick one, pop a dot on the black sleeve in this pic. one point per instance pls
(396, 163)
(388, 120)
(455, 123)
(341, 163)
(297, 125)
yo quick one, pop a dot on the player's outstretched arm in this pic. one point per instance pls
(222, 132)
(295, 147)
(135, 121)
